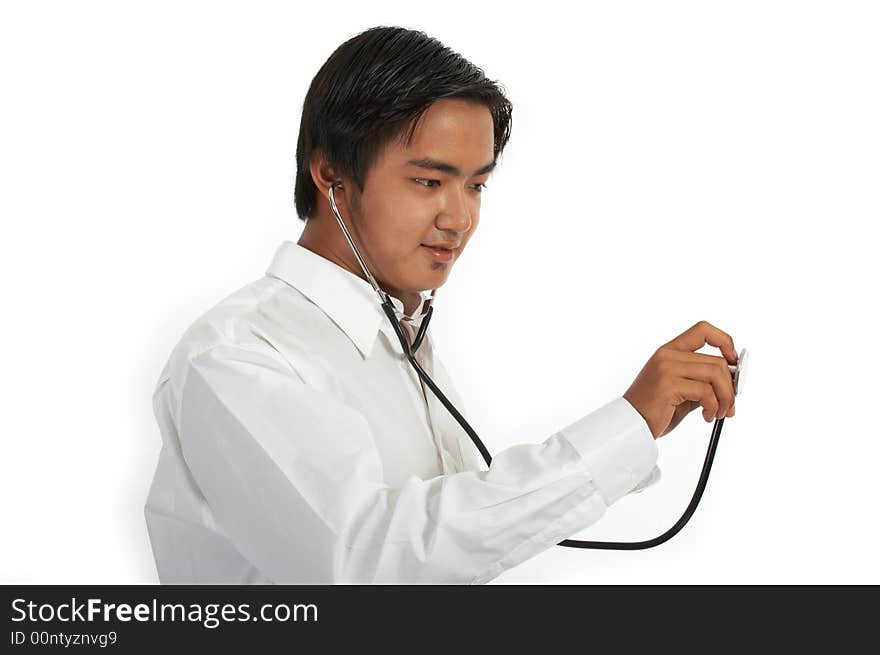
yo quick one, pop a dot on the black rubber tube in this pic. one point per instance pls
(570, 543)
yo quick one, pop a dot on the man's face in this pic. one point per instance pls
(407, 205)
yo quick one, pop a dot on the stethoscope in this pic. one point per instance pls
(390, 311)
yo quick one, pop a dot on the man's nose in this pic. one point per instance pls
(457, 212)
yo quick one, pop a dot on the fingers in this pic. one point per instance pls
(700, 392)
(699, 335)
(714, 373)
(687, 356)
(720, 362)
(676, 374)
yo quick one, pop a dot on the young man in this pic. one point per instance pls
(300, 446)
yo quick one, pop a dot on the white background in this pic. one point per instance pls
(670, 162)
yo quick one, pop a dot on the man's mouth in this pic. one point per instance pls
(444, 245)
(440, 253)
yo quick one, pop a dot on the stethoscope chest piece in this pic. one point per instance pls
(737, 370)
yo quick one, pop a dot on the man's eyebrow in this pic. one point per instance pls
(434, 165)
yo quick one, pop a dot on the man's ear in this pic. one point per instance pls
(322, 173)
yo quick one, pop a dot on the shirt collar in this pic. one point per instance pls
(349, 300)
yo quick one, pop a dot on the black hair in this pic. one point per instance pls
(372, 88)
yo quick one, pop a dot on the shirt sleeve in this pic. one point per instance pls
(605, 423)
(612, 441)
(295, 482)
(653, 477)
(614, 433)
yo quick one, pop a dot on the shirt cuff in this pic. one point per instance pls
(617, 447)
(652, 478)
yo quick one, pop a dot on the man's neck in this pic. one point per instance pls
(313, 240)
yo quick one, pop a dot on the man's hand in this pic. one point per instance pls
(677, 380)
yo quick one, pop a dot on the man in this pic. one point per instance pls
(299, 445)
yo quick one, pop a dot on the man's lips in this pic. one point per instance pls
(441, 254)
(445, 245)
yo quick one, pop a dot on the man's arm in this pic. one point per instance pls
(294, 480)
(473, 460)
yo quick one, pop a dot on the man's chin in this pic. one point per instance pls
(436, 278)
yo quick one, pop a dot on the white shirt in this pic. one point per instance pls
(299, 447)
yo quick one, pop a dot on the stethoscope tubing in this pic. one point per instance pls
(410, 351)
(569, 543)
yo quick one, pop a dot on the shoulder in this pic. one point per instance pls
(260, 320)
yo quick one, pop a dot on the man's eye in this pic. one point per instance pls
(479, 186)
